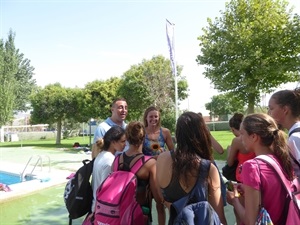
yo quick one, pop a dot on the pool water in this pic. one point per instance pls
(12, 178)
(9, 178)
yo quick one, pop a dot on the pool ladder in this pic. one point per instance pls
(39, 161)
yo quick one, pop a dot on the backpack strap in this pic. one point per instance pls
(139, 163)
(294, 131)
(177, 206)
(260, 185)
(203, 174)
(286, 183)
(204, 169)
(294, 159)
(291, 155)
(115, 165)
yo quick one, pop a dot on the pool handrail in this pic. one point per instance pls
(39, 160)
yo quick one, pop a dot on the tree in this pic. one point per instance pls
(168, 119)
(16, 82)
(55, 104)
(98, 96)
(151, 83)
(8, 69)
(254, 47)
(223, 105)
(25, 83)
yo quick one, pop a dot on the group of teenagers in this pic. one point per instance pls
(172, 172)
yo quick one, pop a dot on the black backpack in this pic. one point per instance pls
(78, 193)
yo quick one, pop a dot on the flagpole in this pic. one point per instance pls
(171, 43)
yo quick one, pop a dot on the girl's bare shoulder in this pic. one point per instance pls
(164, 156)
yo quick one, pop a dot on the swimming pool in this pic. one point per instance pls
(9, 178)
(13, 178)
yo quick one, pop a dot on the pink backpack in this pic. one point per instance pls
(293, 191)
(116, 202)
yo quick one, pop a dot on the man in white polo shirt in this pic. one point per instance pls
(118, 115)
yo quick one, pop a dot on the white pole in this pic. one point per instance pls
(171, 42)
(1, 134)
(176, 98)
(83, 132)
(175, 77)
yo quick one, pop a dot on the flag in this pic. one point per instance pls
(170, 38)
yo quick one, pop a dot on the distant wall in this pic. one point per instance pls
(37, 135)
(218, 126)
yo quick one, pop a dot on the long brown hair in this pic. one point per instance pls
(265, 126)
(193, 142)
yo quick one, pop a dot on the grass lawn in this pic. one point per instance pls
(223, 137)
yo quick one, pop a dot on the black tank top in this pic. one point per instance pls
(174, 190)
(125, 166)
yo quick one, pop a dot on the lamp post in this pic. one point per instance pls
(188, 99)
(90, 133)
(212, 116)
(211, 109)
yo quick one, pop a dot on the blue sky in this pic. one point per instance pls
(76, 42)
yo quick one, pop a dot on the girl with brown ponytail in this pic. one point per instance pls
(260, 183)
